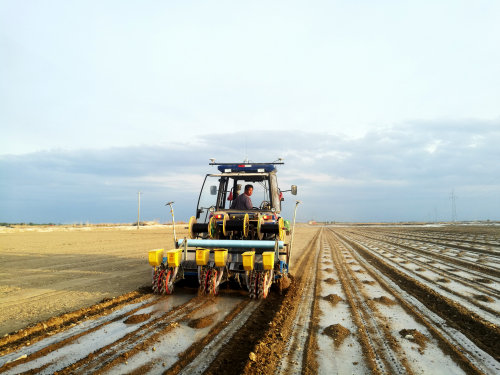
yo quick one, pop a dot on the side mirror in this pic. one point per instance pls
(213, 190)
(294, 189)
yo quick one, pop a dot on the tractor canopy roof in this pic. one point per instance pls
(247, 168)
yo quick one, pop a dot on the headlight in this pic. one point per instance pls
(212, 209)
(273, 209)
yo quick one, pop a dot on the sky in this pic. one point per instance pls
(380, 109)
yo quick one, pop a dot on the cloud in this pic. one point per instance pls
(102, 74)
(412, 166)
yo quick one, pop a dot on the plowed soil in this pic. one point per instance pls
(385, 300)
(134, 319)
(201, 322)
(333, 299)
(338, 333)
(414, 336)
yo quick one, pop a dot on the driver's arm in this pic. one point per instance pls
(249, 203)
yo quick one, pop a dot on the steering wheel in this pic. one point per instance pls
(264, 203)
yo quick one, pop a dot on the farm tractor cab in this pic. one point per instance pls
(243, 247)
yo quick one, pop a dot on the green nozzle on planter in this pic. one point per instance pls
(287, 225)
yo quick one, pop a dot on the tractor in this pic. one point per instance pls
(246, 247)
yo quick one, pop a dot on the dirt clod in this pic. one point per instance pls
(333, 299)
(484, 281)
(139, 318)
(420, 269)
(338, 333)
(285, 282)
(328, 270)
(368, 282)
(200, 322)
(414, 336)
(252, 356)
(385, 301)
(443, 280)
(483, 298)
(330, 281)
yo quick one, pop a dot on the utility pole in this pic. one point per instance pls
(453, 206)
(139, 209)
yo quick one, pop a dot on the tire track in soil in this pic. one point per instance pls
(311, 348)
(104, 352)
(45, 329)
(99, 311)
(479, 288)
(327, 354)
(447, 259)
(372, 339)
(295, 348)
(220, 336)
(483, 288)
(466, 356)
(139, 340)
(444, 243)
(196, 348)
(482, 333)
(494, 256)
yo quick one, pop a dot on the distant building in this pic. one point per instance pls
(312, 222)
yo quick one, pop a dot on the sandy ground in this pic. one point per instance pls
(45, 272)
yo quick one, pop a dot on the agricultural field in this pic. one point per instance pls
(383, 300)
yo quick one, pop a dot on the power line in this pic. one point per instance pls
(482, 186)
(482, 195)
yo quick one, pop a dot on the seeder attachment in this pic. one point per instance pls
(210, 275)
(165, 274)
(255, 269)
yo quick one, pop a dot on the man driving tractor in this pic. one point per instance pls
(243, 201)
